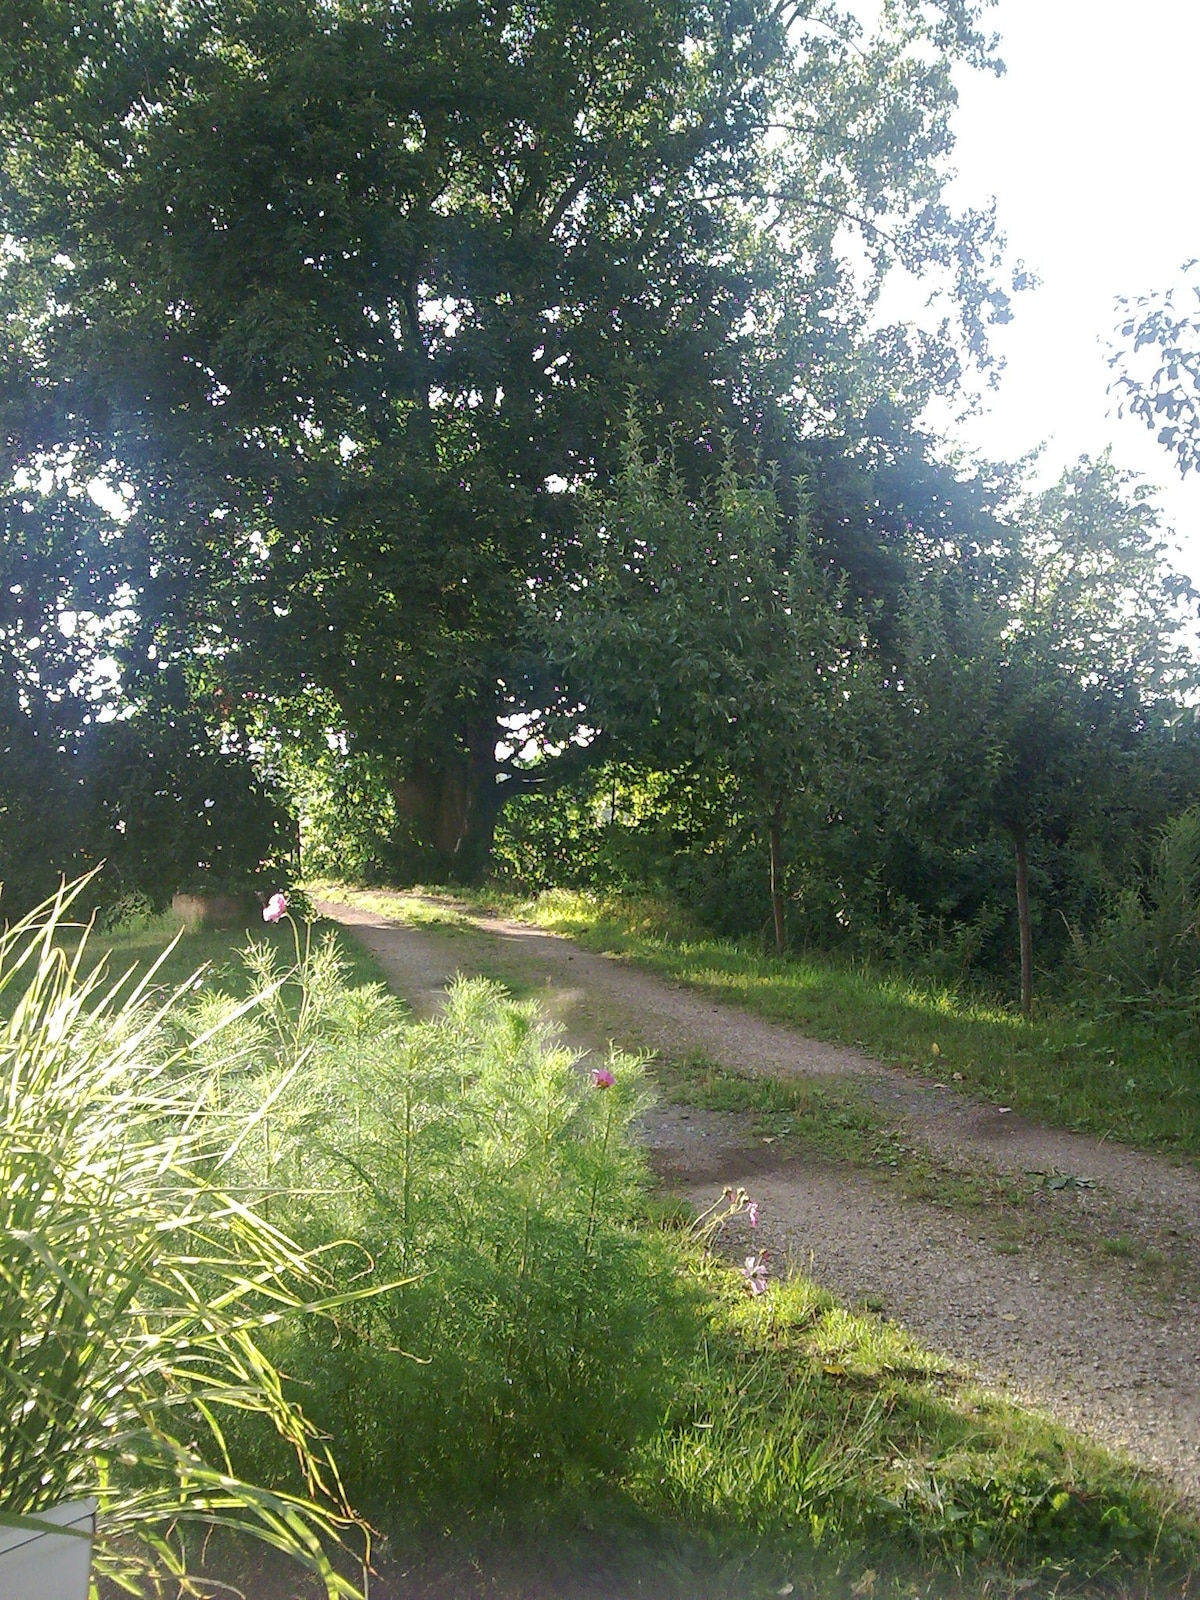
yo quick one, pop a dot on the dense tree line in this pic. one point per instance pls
(349, 294)
(1020, 714)
(493, 415)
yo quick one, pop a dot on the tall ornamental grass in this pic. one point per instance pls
(137, 1277)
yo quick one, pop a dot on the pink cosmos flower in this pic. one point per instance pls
(602, 1078)
(755, 1274)
(275, 908)
(752, 1213)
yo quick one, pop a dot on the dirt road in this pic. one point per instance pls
(1076, 1319)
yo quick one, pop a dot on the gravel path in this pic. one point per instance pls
(1059, 1325)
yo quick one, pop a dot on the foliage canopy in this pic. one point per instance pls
(350, 295)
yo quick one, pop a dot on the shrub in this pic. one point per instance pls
(167, 809)
(1145, 955)
(153, 796)
(541, 1337)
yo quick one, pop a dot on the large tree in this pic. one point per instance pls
(353, 294)
(1156, 365)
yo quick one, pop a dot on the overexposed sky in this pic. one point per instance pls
(1089, 145)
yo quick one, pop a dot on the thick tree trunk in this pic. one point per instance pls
(453, 805)
(775, 834)
(1017, 833)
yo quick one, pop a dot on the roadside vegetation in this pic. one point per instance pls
(1094, 1067)
(515, 1335)
(459, 444)
(1076, 1065)
(138, 1278)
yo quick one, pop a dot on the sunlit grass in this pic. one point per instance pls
(137, 1285)
(847, 1450)
(141, 943)
(434, 909)
(1108, 1076)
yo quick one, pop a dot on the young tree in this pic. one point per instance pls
(349, 292)
(703, 642)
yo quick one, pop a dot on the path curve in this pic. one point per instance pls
(1081, 1339)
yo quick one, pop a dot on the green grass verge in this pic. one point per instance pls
(140, 943)
(820, 1453)
(847, 1450)
(837, 1122)
(1107, 1077)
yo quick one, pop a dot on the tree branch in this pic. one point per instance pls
(782, 196)
(566, 200)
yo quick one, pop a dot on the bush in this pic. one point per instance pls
(351, 826)
(153, 797)
(168, 809)
(41, 812)
(540, 1338)
(1145, 955)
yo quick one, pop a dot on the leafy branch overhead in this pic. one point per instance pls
(1155, 328)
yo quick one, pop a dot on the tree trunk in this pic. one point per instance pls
(1024, 924)
(775, 834)
(453, 805)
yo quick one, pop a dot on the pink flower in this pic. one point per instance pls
(755, 1274)
(275, 908)
(602, 1078)
(752, 1213)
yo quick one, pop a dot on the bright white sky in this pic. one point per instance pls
(1089, 145)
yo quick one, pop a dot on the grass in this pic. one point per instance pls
(137, 1286)
(1110, 1077)
(837, 1123)
(139, 943)
(819, 1452)
(808, 1450)
(847, 1449)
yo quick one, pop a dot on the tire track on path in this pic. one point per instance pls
(1052, 1326)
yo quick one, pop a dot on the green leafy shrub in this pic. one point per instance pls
(154, 797)
(542, 1334)
(40, 807)
(350, 823)
(135, 1281)
(167, 808)
(1145, 955)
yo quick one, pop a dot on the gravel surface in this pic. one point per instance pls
(1081, 1337)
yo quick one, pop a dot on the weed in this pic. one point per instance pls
(532, 1344)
